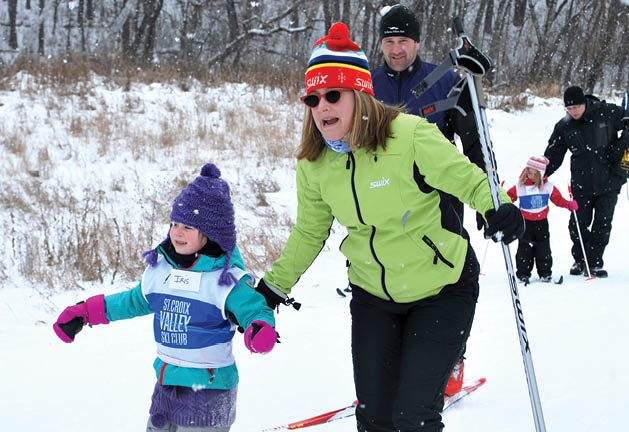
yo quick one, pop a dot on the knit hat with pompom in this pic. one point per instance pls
(338, 62)
(537, 162)
(205, 204)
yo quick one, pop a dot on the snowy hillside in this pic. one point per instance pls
(577, 330)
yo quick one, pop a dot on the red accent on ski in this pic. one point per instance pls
(350, 410)
(327, 417)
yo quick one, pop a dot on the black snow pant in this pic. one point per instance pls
(595, 216)
(403, 353)
(534, 249)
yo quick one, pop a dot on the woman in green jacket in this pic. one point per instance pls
(388, 177)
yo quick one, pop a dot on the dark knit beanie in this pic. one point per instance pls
(205, 204)
(399, 20)
(573, 96)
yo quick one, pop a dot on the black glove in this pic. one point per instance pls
(505, 224)
(275, 297)
(480, 221)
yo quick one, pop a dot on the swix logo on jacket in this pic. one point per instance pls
(382, 182)
(189, 325)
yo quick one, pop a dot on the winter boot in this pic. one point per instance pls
(545, 278)
(455, 382)
(577, 268)
(599, 272)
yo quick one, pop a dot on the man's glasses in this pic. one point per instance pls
(333, 96)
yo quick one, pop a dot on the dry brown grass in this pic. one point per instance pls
(61, 240)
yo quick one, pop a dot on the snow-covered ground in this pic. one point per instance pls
(577, 332)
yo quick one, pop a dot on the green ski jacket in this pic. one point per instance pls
(404, 242)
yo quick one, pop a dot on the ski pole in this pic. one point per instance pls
(576, 220)
(478, 103)
(484, 256)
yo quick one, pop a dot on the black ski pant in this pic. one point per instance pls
(534, 249)
(595, 216)
(403, 353)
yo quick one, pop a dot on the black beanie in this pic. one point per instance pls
(399, 20)
(573, 96)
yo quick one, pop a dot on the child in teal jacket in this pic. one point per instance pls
(199, 292)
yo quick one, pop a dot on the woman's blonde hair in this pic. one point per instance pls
(539, 181)
(371, 126)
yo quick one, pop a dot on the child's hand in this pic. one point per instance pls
(260, 337)
(572, 205)
(73, 318)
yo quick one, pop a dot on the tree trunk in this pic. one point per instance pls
(41, 32)
(519, 12)
(144, 41)
(12, 5)
(81, 23)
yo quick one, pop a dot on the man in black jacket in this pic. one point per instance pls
(590, 131)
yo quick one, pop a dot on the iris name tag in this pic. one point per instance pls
(184, 280)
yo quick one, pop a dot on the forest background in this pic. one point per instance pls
(531, 41)
(82, 83)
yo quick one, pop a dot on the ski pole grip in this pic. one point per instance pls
(458, 26)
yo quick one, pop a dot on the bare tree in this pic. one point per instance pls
(532, 41)
(143, 39)
(519, 12)
(598, 48)
(12, 5)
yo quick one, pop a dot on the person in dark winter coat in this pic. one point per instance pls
(199, 291)
(535, 192)
(382, 174)
(590, 132)
(403, 70)
(393, 83)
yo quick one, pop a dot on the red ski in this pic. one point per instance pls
(350, 410)
(337, 414)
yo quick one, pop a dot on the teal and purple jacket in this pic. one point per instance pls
(193, 327)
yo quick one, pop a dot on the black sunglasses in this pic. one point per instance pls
(332, 97)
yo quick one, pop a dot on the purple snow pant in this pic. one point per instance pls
(182, 409)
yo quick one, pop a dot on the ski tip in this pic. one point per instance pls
(560, 280)
(340, 292)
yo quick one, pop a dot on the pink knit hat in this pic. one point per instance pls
(537, 162)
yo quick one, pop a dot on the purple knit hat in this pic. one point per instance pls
(205, 204)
